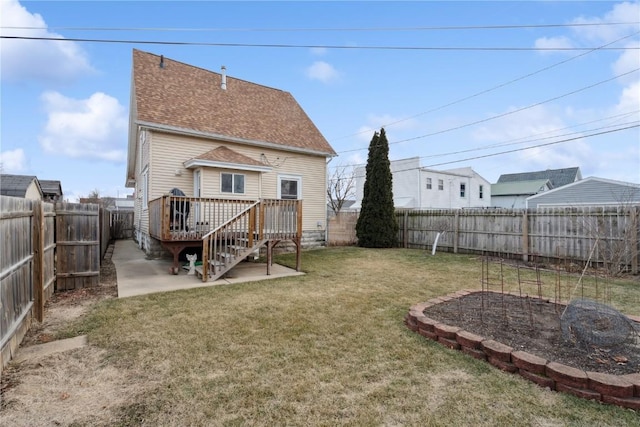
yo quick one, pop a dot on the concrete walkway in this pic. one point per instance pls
(139, 276)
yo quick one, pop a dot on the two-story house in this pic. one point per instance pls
(416, 187)
(206, 148)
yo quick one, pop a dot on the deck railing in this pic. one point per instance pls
(173, 218)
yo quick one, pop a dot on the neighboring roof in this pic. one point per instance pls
(617, 192)
(51, 187)
(519, 188)
(16, 185)
(558, 177)
(185, 97)
(226, 157)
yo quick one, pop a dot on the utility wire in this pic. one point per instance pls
(510, 151)
(303, 46)
(529, 138)
(354, 29)
(508, 113)
(499, 86)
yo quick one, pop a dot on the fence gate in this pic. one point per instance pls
(78, 246)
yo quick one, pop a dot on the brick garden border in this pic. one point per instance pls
(620, 390)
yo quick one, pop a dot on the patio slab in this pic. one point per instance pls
(138, 275)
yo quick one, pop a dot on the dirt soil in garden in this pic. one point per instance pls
(534, 327)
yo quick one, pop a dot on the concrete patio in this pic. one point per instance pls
(138, 275)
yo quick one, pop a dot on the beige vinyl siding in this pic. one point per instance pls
(169, 152)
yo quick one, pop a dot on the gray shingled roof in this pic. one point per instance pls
(15, 185)
(558, 177)
(49, 186)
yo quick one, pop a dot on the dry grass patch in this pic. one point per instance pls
(327, 348)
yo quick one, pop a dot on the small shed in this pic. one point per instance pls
(590, 191)
(23, 186)
(51, 190)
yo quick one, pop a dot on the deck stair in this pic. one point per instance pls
(230, 243)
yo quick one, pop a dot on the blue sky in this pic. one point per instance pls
(65, 104)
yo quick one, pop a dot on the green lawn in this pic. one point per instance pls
(328, 348)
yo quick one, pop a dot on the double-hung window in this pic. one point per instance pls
(463, 190)
(428, 183)
(232, 183)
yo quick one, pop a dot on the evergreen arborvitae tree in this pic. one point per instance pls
(377, 226)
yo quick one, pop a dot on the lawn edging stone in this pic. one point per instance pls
(619, 390)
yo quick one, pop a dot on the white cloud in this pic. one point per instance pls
(553, 43)
(319, 51)
(628, 60)
(13, 161)
(37, 59)
(322, 71)
(93, 128)
(621, 12)
(629, 99)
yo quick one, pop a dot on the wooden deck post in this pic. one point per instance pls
(298, 241)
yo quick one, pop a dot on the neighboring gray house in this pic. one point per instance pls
(513, 195)
(512, 189)
(23, 186)
(415, 187)
(557, 177)
(590, 191)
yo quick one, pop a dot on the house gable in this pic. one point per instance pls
(184, 99)
(24, 186)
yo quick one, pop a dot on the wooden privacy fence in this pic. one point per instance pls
(608, 236)
(44, 246)
(27, 273)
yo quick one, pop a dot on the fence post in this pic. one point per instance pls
(405, 230)
(38, 260)
(634, 219)
(456, 231)
(525, 236)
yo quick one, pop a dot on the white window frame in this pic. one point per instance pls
(481, 191)
(233, 183)
(440, 184)
(290, 178)
(429, 184)
(463, 190)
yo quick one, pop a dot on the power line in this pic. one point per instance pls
(318, 46)
(499, 86)
(353, 29)
(514, 150)
(528, 139)
(508, 113)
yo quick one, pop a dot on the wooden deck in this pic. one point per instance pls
(227, 230)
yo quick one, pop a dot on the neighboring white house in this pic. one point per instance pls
(590, 191)
(416, 187)
(513, 195)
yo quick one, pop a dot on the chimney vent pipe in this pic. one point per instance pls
(223, 85)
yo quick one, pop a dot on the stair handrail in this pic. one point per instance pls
(207, 237)
(232, 219)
